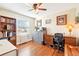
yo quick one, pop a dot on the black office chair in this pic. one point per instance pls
(58, 41)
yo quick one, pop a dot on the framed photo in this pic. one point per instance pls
(77, 20)
(62, 20)
(48, 21)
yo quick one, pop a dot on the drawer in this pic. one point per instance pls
(70, 40)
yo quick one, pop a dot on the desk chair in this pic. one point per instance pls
(58, 41)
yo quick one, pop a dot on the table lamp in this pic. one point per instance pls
(70, 27)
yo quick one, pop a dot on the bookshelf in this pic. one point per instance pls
(7, 28)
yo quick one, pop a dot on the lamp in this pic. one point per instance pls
(70, 27)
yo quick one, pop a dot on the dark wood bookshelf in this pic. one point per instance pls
(7, 27)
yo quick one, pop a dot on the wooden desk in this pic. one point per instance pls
(48, 39)
(70, 40)
(71, 50)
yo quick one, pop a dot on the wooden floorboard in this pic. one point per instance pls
(34, 49)
(71, 50)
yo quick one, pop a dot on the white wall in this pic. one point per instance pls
(17, 16)
(53, 28)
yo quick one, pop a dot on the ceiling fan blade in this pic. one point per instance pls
(39, 4)
(42, 9)
(35, 6)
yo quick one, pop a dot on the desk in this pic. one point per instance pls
(48, 39)
(7, 49)
(68, 39)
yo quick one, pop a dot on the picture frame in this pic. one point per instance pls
(77, 20)
(62, 20)
(48, 21)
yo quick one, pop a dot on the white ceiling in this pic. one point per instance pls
(23, 8)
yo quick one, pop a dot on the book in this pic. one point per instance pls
(2, 19)
(8, 20)
(8, 27)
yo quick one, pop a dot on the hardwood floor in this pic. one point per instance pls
(34, 49)
(13, 42)
(71, 50)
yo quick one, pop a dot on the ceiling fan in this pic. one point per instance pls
(38, 6)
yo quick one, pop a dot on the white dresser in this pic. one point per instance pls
(7, 49)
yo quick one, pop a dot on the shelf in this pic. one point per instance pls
(2, 19)
(7, 25)
(10, 36)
